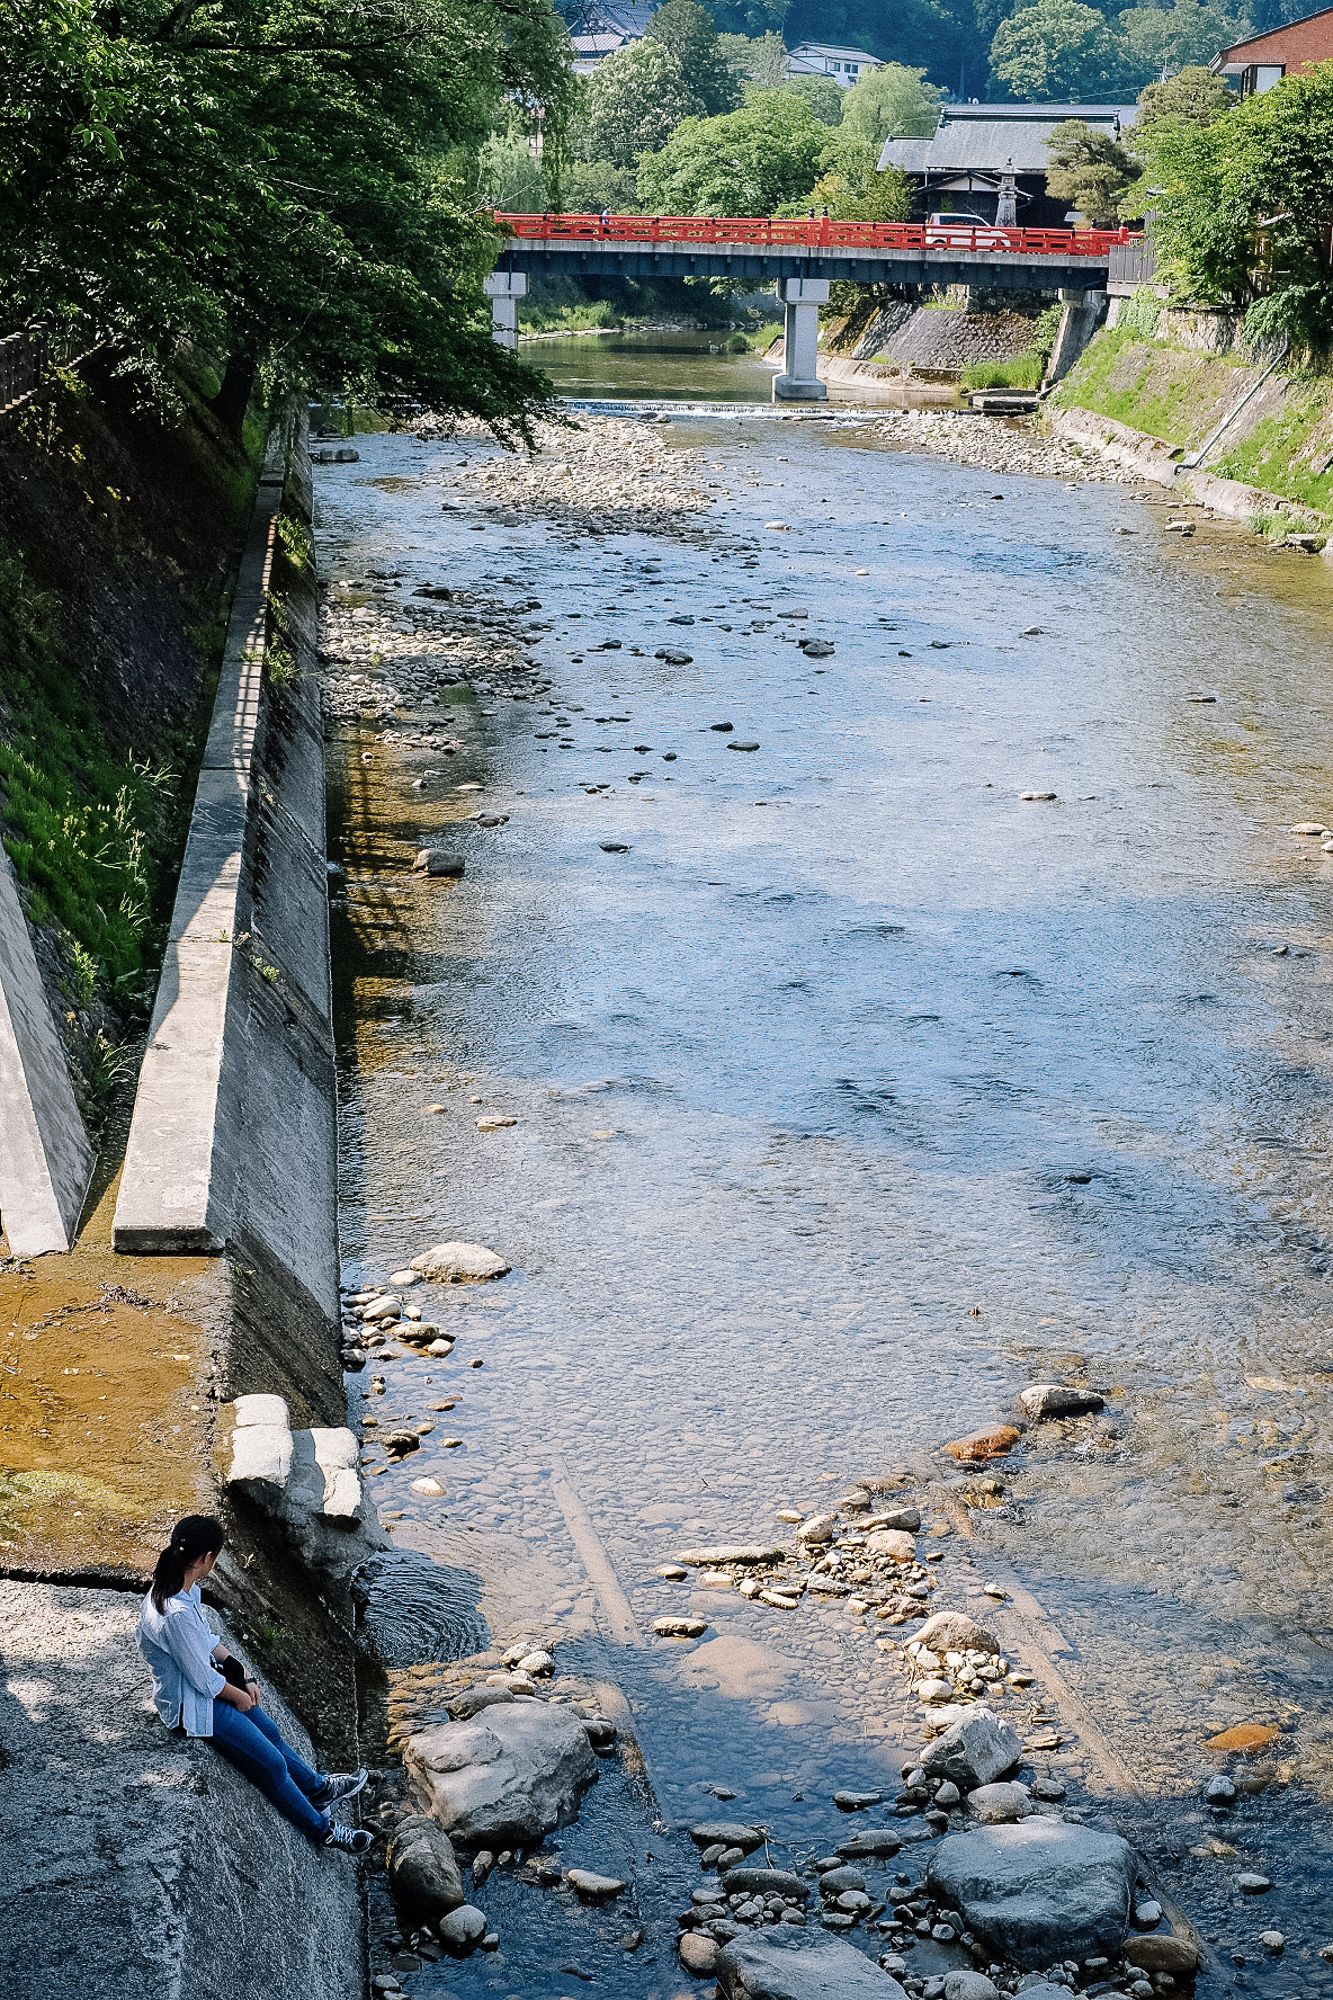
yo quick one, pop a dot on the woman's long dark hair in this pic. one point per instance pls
(197, 1535)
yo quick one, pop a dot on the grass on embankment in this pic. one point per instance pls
(1282, 443)
(120, 525)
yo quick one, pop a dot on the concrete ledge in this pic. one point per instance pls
(138, 1865)
(1155, 458)
(233, 1139)
(45, 1157)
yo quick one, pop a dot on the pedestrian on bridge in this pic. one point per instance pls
(200, 1689)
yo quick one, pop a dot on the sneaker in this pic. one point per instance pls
(340, 1785)
(349, 1839)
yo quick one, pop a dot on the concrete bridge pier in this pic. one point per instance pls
(504, 289)
(1078, 323)
(800, 383)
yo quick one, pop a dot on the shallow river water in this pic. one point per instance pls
(855, 1094)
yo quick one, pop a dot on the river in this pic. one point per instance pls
(853, 1093)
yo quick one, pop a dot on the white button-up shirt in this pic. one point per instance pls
(178, 1646)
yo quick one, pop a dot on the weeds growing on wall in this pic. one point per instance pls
(87, 827)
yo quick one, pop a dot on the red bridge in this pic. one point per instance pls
(802, 257)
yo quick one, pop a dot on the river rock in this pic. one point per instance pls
(474, 1699)
(1220, 1791)
(818, 1529)
(459, 1264)
(463, 1927)
(834, 1881)
(1253, 1885)
(765, 1882)
(1038, 1891)
(680, 1628)
(993, 1442)
(1053, 1399)
(438, 861)
(907, 1518)
(975, 1750)
(955, 1632)
(817, 649)
(506, 1779)
(1162, 1954)
(786, 1964)
(894, 1543)
(1000, 1804)
(726, 1833)
(399, 1443)
(970, 1986)
(732, 1552)
(698, 1953)
(875, 1840)
(423, 1875)
(596, 1888)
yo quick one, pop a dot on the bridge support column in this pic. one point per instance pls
(799, 381)
(504, 289)
(1078, 323)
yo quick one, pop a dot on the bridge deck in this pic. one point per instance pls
(760, 249)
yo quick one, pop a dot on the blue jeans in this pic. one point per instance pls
(253, 1743)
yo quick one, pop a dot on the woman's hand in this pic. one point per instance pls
(240, 1698)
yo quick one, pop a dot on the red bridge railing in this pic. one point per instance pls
(812, 234)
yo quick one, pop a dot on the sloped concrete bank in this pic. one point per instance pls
(205, 1275)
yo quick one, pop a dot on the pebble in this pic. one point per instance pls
(1272, 1940)
(857, 1802)
(1147, 1916)
(818, 1529)
(430, 1487)
(462, 1927)
(1311, 827)
(1032, 796)
(1220, 1791)
(1253, 1885)
(494, 1123)
(597, 1888)
(993, 1442)
(673, 1572)
(679, 1628)
(698, 1953)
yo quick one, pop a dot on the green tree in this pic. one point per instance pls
(891, 103)
(755, 20)
(1060, 50)
(687, 30)
(1193, 96)
(1090, 170)
(288, 183)
(1243, 207)
(745, 163)
(759, 60)
(821, 93)
(1166, 38)
(632, 103)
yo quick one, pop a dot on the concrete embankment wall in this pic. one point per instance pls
(143, 1865)
(1155, 386)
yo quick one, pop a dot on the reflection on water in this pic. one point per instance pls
(858, 1092)
(675, 367)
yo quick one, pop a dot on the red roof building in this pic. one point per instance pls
(1265, 59)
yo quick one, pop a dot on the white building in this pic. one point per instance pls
(845, 66)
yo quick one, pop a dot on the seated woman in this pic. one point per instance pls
(193, 1694)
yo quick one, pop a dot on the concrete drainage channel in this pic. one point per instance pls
(200, 1304)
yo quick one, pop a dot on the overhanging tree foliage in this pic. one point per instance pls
(286, 182)
(1244, 207)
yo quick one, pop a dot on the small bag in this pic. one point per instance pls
(231, 1670)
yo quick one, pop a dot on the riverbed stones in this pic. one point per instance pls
(726, 1833)
(460, 1264)
(788, 1964)
(698, 1953)
(1253, 1885)
(1039, 1891)
(993, 1442)
(894, 1543)
(970, 1986)
(975, 1750)
(1162, 1954)
(1053, 1399)
(494, 1121)
(1000, 1804)
(955, 1632)
(424, 1878)
(1220, 1791)
(908, 1519)
(680, 1628)
(820, 1528)
(439, 861)
(462, 1928)
(765, 1882)
(878, 1841)
(505, 1779)
(593, 1888)
(732, 1552)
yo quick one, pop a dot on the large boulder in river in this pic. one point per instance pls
(1054, 1399)
(1039, 1891)
(459, 1264)
(423, 1874)
(506, 1778)
(799, 1965)
(975, 1750)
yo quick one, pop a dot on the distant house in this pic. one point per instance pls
(598, 27)
(976, 147)
(1265, 59)
(845, 66)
